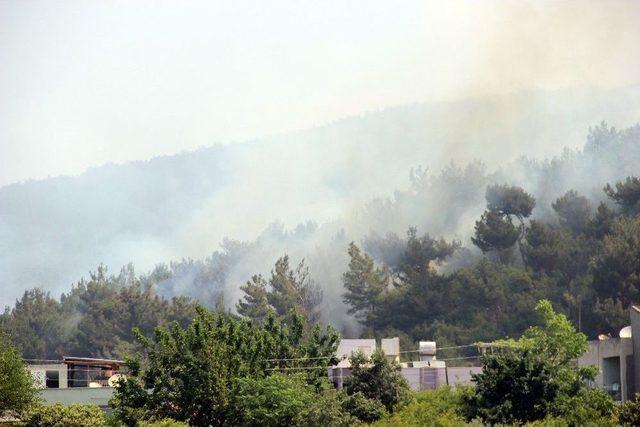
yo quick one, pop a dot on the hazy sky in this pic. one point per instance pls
(87, 82)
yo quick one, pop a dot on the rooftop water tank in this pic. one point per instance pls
(625, 332)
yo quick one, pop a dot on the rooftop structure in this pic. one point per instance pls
(423, 374)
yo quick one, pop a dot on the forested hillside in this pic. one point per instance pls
(538, 230)
(183, 206)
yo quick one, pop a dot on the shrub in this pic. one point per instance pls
(328, 409)
(363, 408)
(440, 407)
(165, 422)
(281, 399)
(629, 412)
(59, 415)
(379, 379)
(587, 406)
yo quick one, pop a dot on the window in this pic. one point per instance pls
(52, 379)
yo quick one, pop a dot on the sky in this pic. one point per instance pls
(83, 83)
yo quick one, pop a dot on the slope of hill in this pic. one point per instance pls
(53, 231)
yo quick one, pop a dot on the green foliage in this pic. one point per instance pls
(166, 422)
(254, 303)
(94, 319)
(509, 200)
(534, 377)
(190, 373)
(495, 232)
(585, 406)
(574, 211)
(512, 387)
(288, 291)
(365, 286)
(437, 408)
(363, 408)
(59, 415)
(17, 387)
(626, 194)
(629, 412)
(281, 399)
(617, 267)
(272, 401)
(378, 379)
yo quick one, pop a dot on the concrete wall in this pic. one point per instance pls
(613, 353)
(39, 373)
(634, 315)
(420, 378)
(461, 375)
(97, 396)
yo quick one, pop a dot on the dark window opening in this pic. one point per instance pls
(52, 379)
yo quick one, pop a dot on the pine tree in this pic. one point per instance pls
(365, 284)
(254, 304)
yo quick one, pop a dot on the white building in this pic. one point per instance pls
(427, 373)
(618, 359)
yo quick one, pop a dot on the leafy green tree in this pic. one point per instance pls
(378, 379)
(626, 194)
(365, 286)
(535, 377)
(190, 372)
(17, 388)
(513, 388)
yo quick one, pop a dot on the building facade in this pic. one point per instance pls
(76, 379)
(426, 373)
(617, 359)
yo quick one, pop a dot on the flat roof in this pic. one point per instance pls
(92, 361)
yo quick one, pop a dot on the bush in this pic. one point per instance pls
(513, 387)
(281, 399)
(379, 379)
(629, 412)
(440, 407)
(166, 422)
(587, 406)
(59, 415)
(329, 410)
(363, 408)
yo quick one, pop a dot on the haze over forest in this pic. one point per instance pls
(306, 194)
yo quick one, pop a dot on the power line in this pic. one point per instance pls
(299, 358)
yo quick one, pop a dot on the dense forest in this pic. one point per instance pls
(557, 239)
